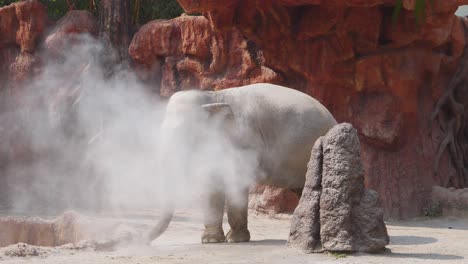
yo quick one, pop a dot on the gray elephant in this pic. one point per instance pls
(278, 124)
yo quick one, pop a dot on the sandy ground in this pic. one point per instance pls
(442, 240)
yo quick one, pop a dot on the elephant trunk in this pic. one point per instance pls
(162, 225)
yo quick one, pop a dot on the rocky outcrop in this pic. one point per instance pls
(26, 38)
(385, 79)
(21, 26)
(389, 81)
(335, 212)
(187, 53)
(68, 28)
(69, 230)
(37, 231)
(272, 200)
(305, 224)
(32, 20)
(448, 202)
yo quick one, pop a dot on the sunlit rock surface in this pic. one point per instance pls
(68, 230)
(385, 79)
(187, 53)
(63, 33)
(336, 212)
(448, 202)
(271, 200)
(27, 39)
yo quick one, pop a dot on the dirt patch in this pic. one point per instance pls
(25, 250)
(41, 232)
(427, 241)
(68, 229)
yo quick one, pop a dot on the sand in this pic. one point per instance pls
(440, 240)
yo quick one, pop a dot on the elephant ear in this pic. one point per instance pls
(219, 109)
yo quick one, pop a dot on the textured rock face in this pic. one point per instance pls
(448, 202)
(384, 79)
(305, 224)
(335, 212)
(186, 53)
(22, 31)
(68, 228)
(271, 200)
(21, 26)
(32, 19)
(37, 231)
(342, 186)
(8, 25)
(65, 30)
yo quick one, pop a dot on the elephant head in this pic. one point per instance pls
(189, 121)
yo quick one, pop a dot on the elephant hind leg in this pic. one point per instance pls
(213, 218)
(237, 217)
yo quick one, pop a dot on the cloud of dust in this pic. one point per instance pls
(95, 143)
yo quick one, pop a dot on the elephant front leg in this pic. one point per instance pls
(237, 210)
(213, 218)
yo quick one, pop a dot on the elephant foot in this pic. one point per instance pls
(237, 236)
(213, 237)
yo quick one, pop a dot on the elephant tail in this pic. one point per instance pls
(162, 225)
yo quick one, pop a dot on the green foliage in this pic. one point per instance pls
(419, 10)
(146, 10)
(434, 210)
(7, 2)
(155, 9)
(142, 10)
(57, 8)
(338, 255)
(397, 11)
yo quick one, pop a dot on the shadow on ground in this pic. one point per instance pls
(427, 256)
(264, 242)
(453, 223)
(411, 240)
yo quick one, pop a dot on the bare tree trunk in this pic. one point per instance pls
(450, 112)
(115, 21)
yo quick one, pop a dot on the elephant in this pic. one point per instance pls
(279, 124)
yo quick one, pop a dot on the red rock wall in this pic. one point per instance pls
(24, 30)
(187, 53)
(383, 79)
(21, 26)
